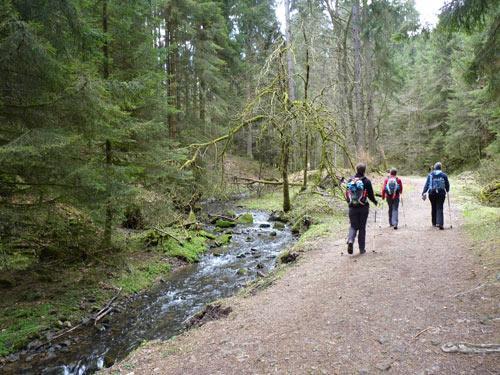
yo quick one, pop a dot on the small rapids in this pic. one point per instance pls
(160, 313)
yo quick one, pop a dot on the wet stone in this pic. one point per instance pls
(240, 256)
(13, 357)
(273, 234)
(265, 225)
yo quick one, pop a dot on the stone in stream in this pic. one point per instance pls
(279, 225)
(242, 272)
(265, 225)
(259, 266)
(241, 256)
(273, 234)
(246, 218)
(220, 223)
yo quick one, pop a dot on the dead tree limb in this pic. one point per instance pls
(265, 182)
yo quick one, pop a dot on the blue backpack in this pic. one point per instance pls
(392, 186)
(437, 182)
(356, 192)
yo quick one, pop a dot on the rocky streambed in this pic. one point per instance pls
(161, 313)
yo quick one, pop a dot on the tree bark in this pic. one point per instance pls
(108, 223)
(358, 94)
(171, 60)
(105, 46)
(285, 154)
(289, 55)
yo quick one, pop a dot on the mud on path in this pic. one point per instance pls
(386, 311)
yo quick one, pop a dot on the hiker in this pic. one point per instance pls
(392, 190)
(437, 185)
(359, 190)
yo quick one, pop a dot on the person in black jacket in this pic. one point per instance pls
(437, 186)
(359, 208)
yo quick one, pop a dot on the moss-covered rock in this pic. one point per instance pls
(279, 225)
(288, 257)
(207, 235)
(242, 272)
(246, 218)
(224, 239)
(221, 223)
(189, 250)
(302, 224)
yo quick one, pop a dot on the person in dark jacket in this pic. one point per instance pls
(392, 190)
(359, 209)
(437, 186)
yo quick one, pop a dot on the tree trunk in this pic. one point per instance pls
(289, 55)
(171, 60)
(285, 154)
(105, 46)
(358, 94)
(306, 88)
(108, 223)
(249, 142)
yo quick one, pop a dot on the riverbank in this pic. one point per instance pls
(400, 305)
(313, 214)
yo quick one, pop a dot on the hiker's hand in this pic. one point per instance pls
(424, 197)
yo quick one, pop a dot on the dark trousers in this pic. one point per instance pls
(358, 217)
(437, 202)
(393, 204)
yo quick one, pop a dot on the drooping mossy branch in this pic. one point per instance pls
(197, 147)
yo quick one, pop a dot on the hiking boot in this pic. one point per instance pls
(361, 252)
(441, 227)
(349, 247)
(395, 227)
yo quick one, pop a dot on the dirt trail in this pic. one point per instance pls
(386, 311)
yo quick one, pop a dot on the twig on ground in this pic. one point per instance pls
(422, 331)
(470, 290)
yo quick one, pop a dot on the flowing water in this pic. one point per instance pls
(160, 313)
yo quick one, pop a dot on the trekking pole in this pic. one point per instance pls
(449, 209)
(404, 212)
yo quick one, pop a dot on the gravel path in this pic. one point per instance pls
(386, 311)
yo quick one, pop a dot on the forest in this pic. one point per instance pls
(118, 116)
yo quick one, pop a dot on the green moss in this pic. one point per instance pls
(141, 276)
(322, 229)
(18, 325)
(279, 225)
(225, 223)
(189, 251)
(224, 239)
(272, 201)
(246, 218)
(207, 235)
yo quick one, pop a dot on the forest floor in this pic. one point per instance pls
(390, 310)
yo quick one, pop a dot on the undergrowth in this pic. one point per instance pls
(481, 222)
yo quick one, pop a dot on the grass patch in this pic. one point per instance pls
(271, 201)
(189, 251)
(481, 222)
(324, 228)
(20, 324)
(141, 276)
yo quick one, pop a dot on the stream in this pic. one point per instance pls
(160, 313)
